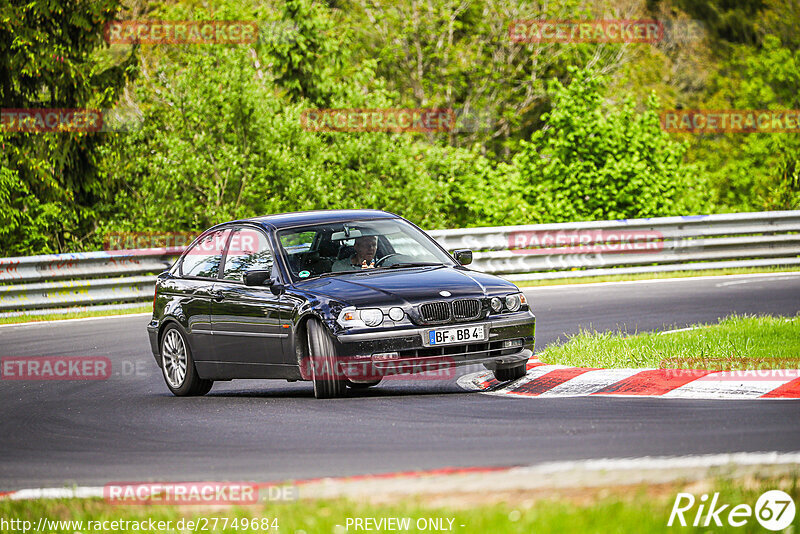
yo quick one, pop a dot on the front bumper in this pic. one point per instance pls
(415, 355)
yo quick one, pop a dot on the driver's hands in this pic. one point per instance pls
(370, 266)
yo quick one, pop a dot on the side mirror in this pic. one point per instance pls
(262, 278)
(258, 278)
(463, 256)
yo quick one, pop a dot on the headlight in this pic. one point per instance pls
(496, 304)
(353, 318)
(371, 316)
(396, 314)
(514, 302)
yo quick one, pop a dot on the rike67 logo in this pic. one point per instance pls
(774, 510)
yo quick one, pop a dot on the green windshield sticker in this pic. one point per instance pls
(304, 274)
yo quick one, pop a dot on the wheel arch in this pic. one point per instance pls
(166, 322)
(301, 340)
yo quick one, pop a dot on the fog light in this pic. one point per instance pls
(496, 304)
(509, 343)
(383, 356)
(396, 314)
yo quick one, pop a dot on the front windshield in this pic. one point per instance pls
(352, 246)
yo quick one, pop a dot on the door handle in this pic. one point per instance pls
(216, 295)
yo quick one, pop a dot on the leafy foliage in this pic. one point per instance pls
(591, 163)
(546, 131)
(50, 180)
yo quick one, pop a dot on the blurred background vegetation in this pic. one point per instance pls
(547, 132)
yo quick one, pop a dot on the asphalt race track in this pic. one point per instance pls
(129, 428)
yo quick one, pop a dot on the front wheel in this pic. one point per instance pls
(177, 365)
(329, 381)
(510, 373)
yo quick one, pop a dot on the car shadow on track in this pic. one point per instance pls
(305, 390)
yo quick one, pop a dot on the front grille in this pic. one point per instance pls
(435, 312)
(466, 308)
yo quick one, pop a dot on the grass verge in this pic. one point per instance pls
(584, 510)
(654, 276)
(736, 342)
(144, 308)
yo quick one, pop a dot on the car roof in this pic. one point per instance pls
(298, 218)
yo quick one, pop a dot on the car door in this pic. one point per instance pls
(199, 270)
(246, 320)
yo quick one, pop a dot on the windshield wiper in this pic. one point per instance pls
(414, 264)
(362, 271)
(323, 275)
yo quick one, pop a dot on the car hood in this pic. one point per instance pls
(406, 286)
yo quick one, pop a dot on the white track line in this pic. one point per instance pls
(670, 462)
(783, 275)
(787, 275)
(66, 321)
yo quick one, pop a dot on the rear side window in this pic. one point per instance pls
(249, 250)
(203, 258)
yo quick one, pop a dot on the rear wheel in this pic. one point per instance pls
(177, 365)
(510, 373)
(329, 382)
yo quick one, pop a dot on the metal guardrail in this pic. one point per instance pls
(72, 281)
(664, 244)
(123, 278)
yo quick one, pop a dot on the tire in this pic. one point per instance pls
(362, 385)
(329, 382)
(510, 373)
(177, 365)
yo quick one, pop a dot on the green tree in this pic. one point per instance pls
(205, 155)
(594, 163)
(47, 60)
(458, 54)
(745, 169)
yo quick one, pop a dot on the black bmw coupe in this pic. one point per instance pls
(342, 298)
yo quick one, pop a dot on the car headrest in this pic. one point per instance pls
(328, 248)
(345, 252)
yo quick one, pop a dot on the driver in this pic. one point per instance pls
(363, 258)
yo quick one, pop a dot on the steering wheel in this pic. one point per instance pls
(380, 261)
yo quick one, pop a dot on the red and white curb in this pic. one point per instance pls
(543, 380)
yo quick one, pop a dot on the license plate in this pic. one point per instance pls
(447, 336)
